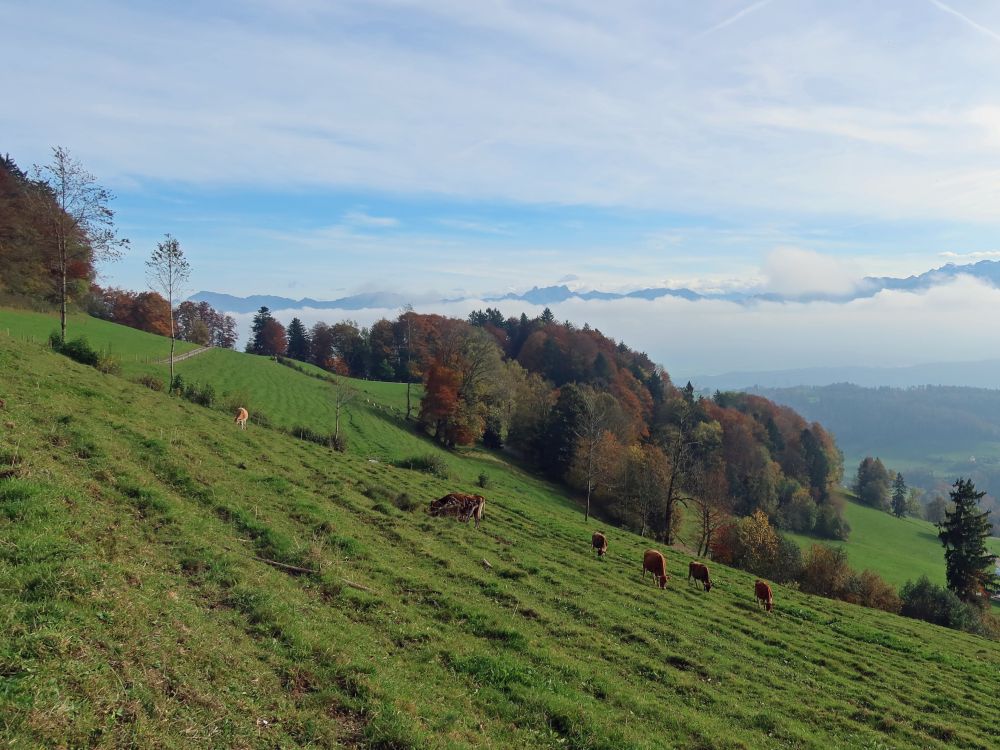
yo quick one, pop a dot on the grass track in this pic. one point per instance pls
(136, 611)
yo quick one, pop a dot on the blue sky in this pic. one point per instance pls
(452, 147)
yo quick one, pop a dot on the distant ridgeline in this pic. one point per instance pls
(589, 411)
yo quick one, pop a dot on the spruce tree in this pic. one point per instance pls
(260, 321)
(899, 496)
(970, 566)
(298, 341)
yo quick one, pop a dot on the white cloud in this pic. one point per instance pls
(734, 18)
(975, 255)
(574, 104)
(948, 322)
(794, 271)
(362, 219)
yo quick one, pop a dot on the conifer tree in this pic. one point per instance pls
(899, 496)
(298, 341)
(970, 566)
(260, 321)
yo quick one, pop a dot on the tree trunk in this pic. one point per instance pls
(668, 515)
(586, 514)
(336, 424)
(171, 303)
(63, 270)
(408, 393)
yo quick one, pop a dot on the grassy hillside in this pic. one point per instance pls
(374, 422)
(139, 610)
(900, 549)
(137, 351)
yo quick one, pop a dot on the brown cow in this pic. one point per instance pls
(460, 505)
(600, 543)
(656, 564)
(764, 596)
(241, 417)
(699, 571)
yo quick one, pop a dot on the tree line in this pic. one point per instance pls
(591, 412)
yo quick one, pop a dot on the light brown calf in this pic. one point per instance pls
(656, 564)
(763, 593)
(241, 417)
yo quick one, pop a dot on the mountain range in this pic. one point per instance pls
(987, 270)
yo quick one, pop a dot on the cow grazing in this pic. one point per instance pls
(764, 596)
(656, 564)
(460, 505)
(241, 417)
(699, 572)
(600, 543)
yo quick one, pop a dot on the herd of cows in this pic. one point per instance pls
(465, 507)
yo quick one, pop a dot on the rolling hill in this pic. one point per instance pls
(169, 581)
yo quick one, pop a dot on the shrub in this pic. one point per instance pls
(825, 571)
(787, 562)
(108, 365)
(926, 601)
(799, 513)
(339, 443)
(177, 385)
(484, 480)
(755, 547)
(830, 524)
(81, 351)
(429, 464)
(201, 395)
(870, 590)
(78, 350)
(150, 381)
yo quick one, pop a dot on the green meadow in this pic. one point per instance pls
(900, 549)
(137, 351)
(170, 581)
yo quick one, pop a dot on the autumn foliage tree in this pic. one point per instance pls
(201, 323)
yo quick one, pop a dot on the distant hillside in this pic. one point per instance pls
(897, 421)
(932, 434)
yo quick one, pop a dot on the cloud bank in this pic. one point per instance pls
(948, 322)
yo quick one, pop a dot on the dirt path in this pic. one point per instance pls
(185, 355)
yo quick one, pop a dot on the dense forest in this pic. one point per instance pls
(585, 409)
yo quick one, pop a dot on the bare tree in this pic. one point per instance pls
(79, 222)
(167, 270)
(713, 505)
(343, 394)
